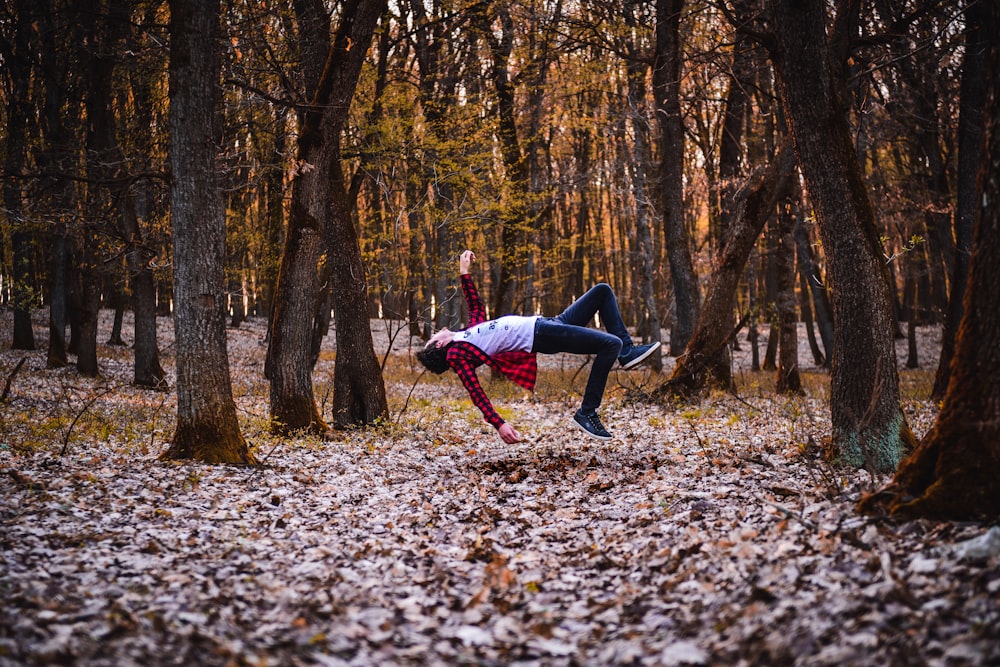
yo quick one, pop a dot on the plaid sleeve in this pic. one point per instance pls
(477, 312)
(463, 360)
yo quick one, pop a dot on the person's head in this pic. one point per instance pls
(434, 356)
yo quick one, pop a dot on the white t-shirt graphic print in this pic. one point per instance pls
(510, 333)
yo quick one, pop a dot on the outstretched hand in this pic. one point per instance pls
(466, 260)
(508, 433)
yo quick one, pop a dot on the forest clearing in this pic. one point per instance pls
(704, 534)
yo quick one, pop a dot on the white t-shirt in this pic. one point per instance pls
(509, 333)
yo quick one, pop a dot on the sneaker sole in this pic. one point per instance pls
(641, 358)
(592, 435)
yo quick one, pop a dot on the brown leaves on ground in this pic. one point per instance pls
(709, 534)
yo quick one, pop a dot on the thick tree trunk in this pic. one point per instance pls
(972, 98)
(705, 361)
(319, 224)
(207, 427)
(952, 475)
(869, 427)
(666, 90)
(731, 140)
(358, 389)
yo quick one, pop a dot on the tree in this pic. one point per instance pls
(706, 361)
(970, 140)
(788, 380)
(321, 241)
(111, 190)
(16, 55)
(869, 427)
(207, 428)
(953, 473)
(666, 89)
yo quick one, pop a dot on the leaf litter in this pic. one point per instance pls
(706, 534)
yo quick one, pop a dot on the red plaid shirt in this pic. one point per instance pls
(464, 358)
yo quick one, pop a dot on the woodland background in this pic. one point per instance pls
(229, 225)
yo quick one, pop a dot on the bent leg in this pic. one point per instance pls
(599, 299)
(553, 336)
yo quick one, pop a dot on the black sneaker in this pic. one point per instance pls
(636, 355)
(591, 425)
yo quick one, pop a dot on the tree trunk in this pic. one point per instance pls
(319, 224)
(18, 72)
(805, 308)
(512, 252)
(644, 239)
(207, 427)
(89, 308)
(666, 90)
(705, 361)
(56, 357)
(952, 475)
(788, 381)
(771, 300)
(817, 292)
(116, 298)
(358, 389)
(54, 159)
(972, 97)
(731, 140)
(869, 427)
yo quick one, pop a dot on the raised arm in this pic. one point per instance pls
(465, 260)
(477, 312)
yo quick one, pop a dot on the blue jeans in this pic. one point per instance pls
(568, 332)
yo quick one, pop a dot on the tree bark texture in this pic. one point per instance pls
(666, 90)
(869, 427)
(207, 427)
(706, 360)
(952, 475)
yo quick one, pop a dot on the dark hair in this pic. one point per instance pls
(435, 359)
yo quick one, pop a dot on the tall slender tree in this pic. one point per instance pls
(16, 54)
(207, 428)
(666, 90)
(113, 184)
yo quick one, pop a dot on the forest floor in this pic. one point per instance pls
(707, 534)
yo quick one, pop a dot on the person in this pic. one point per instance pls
(509, 345)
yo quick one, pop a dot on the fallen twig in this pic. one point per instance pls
(10, 379)
(83, 410)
